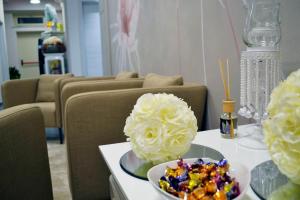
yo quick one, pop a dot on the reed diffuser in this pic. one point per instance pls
(228, 119)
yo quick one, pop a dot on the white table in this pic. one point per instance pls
(137, 189)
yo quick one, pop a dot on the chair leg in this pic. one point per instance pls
(61, 135)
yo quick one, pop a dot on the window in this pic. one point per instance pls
(29, 20)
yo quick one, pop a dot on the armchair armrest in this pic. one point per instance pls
(57, 95)
(16, 92)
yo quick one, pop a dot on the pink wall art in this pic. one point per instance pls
(126, 43)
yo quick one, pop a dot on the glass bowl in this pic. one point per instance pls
(236, 170)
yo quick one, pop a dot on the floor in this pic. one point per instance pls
(58, 166)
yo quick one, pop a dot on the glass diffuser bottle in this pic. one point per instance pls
(228, 120)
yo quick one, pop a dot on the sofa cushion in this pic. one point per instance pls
(48, 110)
(155, 80)
(45, 92)
(126, 75)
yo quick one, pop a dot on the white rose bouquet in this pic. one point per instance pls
(161, 127)
(282, 128)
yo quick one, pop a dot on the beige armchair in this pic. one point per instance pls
(24, 166)
(39, 92)
(59, 85)
(98, 118)
(73, 88)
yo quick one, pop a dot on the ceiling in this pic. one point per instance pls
(11, 1)
(24, 5)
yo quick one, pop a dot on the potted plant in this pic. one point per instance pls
(14, 73)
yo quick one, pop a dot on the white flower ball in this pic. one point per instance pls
(282, 129)
(161, 127)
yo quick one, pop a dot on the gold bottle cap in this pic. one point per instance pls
(228, 106)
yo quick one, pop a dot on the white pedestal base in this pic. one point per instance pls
(60, 66)
(252, 137)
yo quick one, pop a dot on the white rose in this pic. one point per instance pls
(282, 129)
(160, 127)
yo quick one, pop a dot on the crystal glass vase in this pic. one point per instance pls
(262, 27)
(260, 66)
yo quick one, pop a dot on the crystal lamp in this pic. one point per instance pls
(260, 65)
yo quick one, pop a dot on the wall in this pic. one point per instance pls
(290, 42)
(4, 74)
(2, 20)
(1, 11)
(91, 40)
(73, 13)
(12, 48)
(74, 36)
(170, 42)
(105, 37)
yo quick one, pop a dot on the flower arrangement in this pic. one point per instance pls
(282, 128)
(53, 44)
(14, 73)
(287, 191)
(161, 127)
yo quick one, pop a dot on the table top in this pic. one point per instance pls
(136, 189)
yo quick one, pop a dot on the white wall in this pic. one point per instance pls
(1, 10)
(11, 39)
(290, 41)
(106, 37)
(75, 37)
(2, 20)
(4, 74)
(92, 50)
(73, 13)
(170, 42)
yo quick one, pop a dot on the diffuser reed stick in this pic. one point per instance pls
(228, 78)
(224, 79)
(228, 88)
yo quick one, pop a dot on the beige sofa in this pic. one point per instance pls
(98, 118)
(39, 92)
(45, 92)
(24, 165)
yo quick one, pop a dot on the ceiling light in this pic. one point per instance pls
(35, 1)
